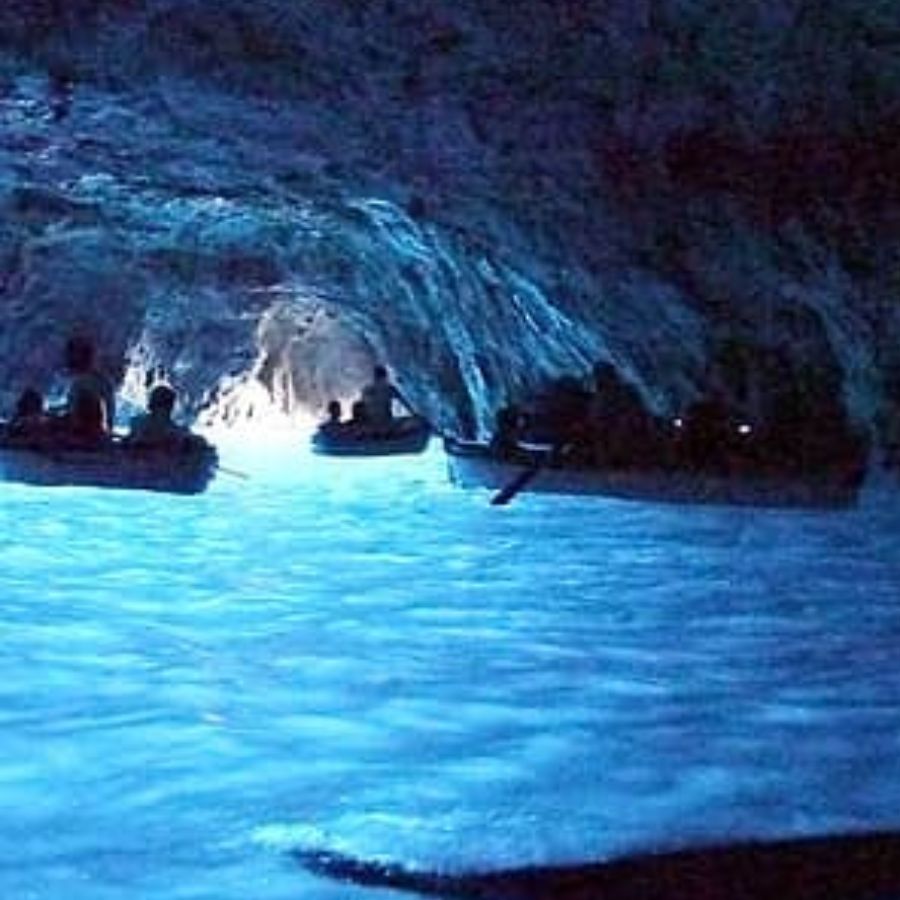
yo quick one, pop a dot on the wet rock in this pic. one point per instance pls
(487, 200)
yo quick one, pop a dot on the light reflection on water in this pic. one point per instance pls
(354, 654)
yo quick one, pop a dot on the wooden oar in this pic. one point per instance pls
(526, 476)
(505, 494)
(234, 473)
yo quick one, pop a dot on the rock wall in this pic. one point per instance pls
(485, 194)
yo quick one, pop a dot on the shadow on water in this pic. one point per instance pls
(842, 867)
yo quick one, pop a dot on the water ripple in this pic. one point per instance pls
(383, 665)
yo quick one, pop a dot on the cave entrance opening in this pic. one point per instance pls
(308, 352)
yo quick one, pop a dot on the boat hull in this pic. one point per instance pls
(409, 436)
(473, 465)
(116, 466)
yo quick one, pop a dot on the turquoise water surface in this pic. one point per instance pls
(354, 655)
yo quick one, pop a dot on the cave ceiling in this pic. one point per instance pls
(483, 195)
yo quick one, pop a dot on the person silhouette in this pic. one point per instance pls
(29, 420)
(378, 397)
(333, 424)
(90, 407)
(155, 428)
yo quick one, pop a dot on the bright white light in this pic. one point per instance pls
(744, 428)
(247, 414)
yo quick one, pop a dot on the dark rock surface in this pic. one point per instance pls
(483, 194)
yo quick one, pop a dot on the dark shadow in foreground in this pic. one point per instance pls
(844, 867)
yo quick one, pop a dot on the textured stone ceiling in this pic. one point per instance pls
(482, 194)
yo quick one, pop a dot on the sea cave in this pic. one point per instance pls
(351, 664)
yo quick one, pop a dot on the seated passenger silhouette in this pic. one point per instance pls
(155, 428)
(359, 414)
(378, 398)
(622, 430)
(333, 424)
(90, 402)
(709, 431)
(809, 425)
(557, 416)
(30, 421)
(507, 430)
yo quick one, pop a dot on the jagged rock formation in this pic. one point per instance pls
(484, 194)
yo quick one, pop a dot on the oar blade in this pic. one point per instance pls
(504, 495)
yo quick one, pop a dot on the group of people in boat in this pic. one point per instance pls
(372, 413)
(605, 424)
(609, 425)
(86, 418)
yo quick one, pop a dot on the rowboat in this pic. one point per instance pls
(407, 434)
(473, 464)
(186, 469)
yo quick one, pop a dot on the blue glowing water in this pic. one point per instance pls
(355, 655)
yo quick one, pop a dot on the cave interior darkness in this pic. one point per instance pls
(260, 202)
